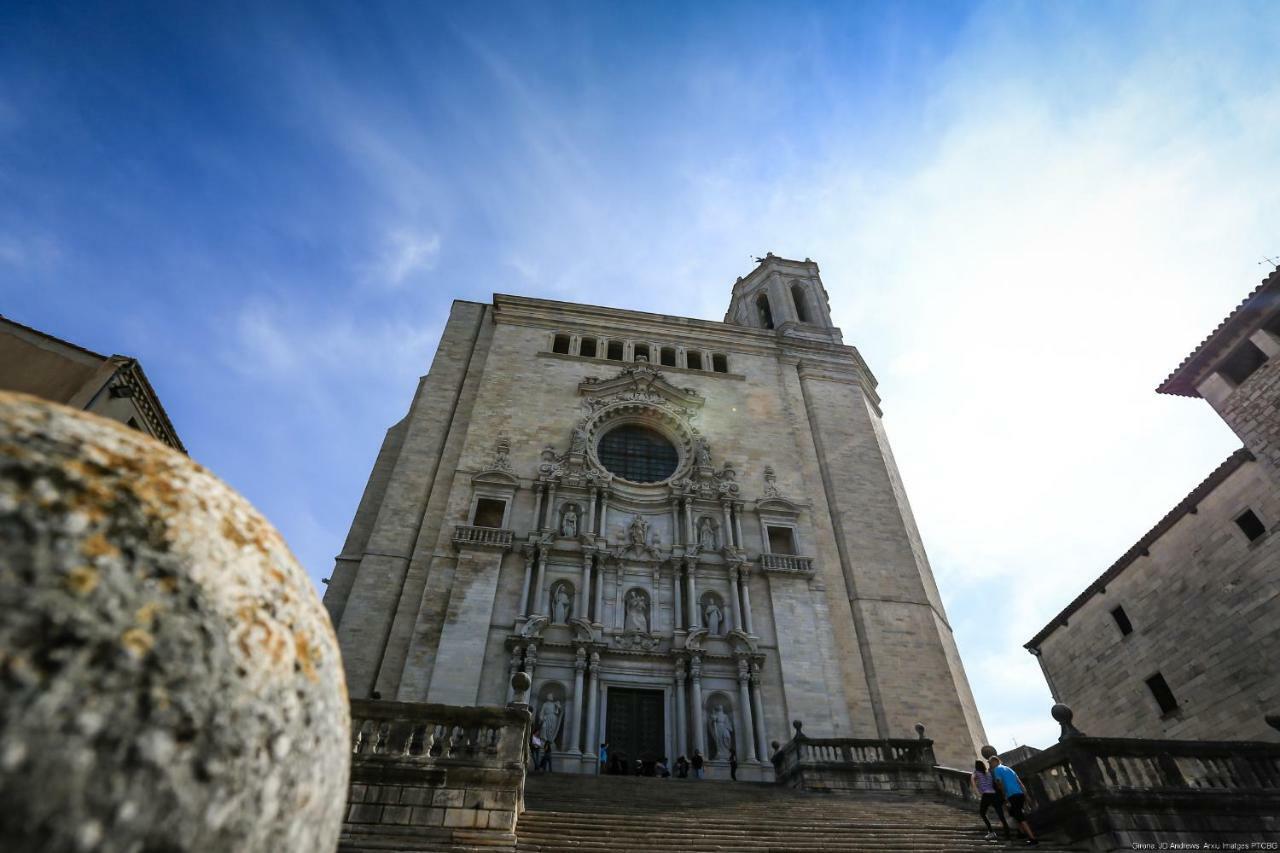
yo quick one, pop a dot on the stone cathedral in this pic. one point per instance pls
(687, 533)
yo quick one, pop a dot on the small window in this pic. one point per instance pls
(1164, 696)
(797, 296)
(693, 360)
(641, 351)
(781, 541)
(615, 350)
(762, 311)
(668, 356)
(1250, 525)
(1241, 364)
(587, 347)
(489, 512)
(719, 363)
(561, 344)
(1122, 621)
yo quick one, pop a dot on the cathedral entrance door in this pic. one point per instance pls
(635, 725)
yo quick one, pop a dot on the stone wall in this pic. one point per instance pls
(1250, 410)
(1201, 601)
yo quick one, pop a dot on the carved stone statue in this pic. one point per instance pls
(770, 482)
(569, 527)
(720, 727)
(550, 715)
(703, 453)
(714, 617)
(637, 611)
(638, 531)
(578, 444)
(707, 534)
(561, 604)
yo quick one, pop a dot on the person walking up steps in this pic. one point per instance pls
(697, 764)
(985, 787)
(1010, 787)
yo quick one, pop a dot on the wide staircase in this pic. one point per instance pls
(631, 813)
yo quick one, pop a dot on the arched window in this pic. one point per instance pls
(762, 310)
(638, 454)
(797, 296)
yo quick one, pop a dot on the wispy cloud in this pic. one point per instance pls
(406, 254)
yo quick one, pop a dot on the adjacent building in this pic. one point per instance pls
(688, 533)
(114, 386)
(1180, 638)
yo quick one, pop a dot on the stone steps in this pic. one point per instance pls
(644, 815)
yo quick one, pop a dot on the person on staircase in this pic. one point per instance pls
(985, 787)
(682, 768)
(733, 764)
(697, 764)
(1011, 789)
(604, 758)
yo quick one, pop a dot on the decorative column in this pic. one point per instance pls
(757, 709)
(512, 669)
(540, 578)
(737, 523)
(675, 522)
(593, 693)
(575, 731)
(591, 511)
(746, 601)
(529, 552)
(726, 538)
(584, 593)
(733, 594)
(530, 663)
(689, 536)
(537, 506)
(745, 725)
(599, 610)
(699, 730)
(677, 603)
(549, 524)
(691, 594)
(682, 731)
(604, 514)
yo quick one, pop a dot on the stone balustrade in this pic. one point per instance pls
(786, 563)
(857, 764)
(1118, 793)
(481, 537)
(434, 773)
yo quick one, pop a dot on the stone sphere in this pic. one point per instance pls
(168, 677)
(1062, 714)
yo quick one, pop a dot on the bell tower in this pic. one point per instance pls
(785, 296)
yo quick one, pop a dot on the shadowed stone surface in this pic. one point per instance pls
(168, 677)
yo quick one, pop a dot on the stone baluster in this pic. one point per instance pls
(699, 729)
(593, 694)
(689, 535)
(682, 728)
(599, 606)
(591, 510)
(575, 728)
(529, 554)
(539, 601)
(512, 669)
(530, 660)
(691, 594)
(733, 594)
(737, 523)
(746, 728)
(726, 533)
(549, 522)
(537, 506)
(757, 708)
(584, 593)
(745, 583)
(677, 601)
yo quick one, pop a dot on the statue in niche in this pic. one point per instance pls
(549, 717)
(637, 611)
(720, 727)
(561, 603)
(638, 531)
(713, 617)
(578, 443)
(569, 527)
(707, 534)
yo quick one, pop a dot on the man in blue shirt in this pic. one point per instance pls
(1010, 787)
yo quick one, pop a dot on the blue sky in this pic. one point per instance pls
(1025, 213)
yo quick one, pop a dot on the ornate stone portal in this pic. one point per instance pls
(564, 500)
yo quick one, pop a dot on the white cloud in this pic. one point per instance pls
(406, 254)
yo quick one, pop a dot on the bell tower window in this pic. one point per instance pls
(797, 296)
(763, 312)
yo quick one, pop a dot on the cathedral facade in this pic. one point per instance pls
(688, 533)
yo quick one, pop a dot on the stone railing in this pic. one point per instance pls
(855, 764)
(1120, 793)
(434, 774)
(481, 537)
(786, 563)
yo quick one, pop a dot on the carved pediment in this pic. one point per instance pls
(740, 642)
(642, 384)
(694, 640)
(533, 628)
